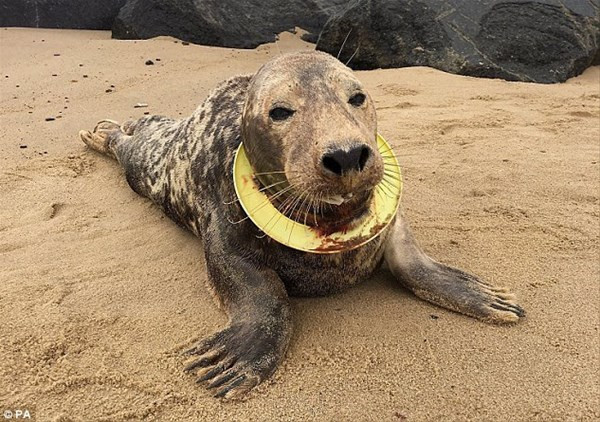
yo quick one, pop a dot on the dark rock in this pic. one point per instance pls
(240, 24)
(386, 34)
(75, 14)
(543, 41)
(330, 8)
(22, 146)
(540, 42)
(50, 119)
(149, 62)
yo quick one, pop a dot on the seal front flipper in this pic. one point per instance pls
(236, 359)
(446, 286)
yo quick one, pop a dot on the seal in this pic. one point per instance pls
(309, 132)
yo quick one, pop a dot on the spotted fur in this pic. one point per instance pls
(185, 167)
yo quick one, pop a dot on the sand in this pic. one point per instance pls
(99, 292)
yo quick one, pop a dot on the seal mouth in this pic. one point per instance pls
(326, 212)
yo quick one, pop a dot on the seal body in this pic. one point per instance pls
(185, 167)
(309, 128)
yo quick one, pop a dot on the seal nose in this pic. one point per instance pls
(340, 161)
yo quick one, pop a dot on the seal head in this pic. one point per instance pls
(309, 128)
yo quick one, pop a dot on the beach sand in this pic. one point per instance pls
(100, 292)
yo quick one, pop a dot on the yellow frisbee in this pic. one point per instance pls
(260, 210)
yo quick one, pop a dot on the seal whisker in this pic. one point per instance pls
(318, 40)
(343, 44)
(297, 203)
(239, 221)
(292, 201)
(293, 225)
(302, 209)
(281, 192)
(316, 208)
(259, 190)
(284, 203)
(279, 216)
(308, 207)
(290, 209)
(311, 208)
(353, 54)
(265, 173)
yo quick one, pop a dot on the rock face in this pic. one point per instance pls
(73, 14)
(524, 40)
(240, 24)
(543, 41)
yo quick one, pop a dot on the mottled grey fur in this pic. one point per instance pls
(185, 167)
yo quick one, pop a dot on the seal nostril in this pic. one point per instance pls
(332, 165)
(341, 162)
(364, 156)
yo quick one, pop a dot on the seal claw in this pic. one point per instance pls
(238, 358)
(229, 390)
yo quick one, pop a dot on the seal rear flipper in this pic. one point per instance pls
(445, 286)
(102, 135)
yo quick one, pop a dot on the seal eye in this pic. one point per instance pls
(280, 113)
(357, 99)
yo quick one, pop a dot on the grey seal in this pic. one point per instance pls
(308, 126)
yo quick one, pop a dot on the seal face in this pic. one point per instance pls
(309, 237)
(309, 130)
(310, 134)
